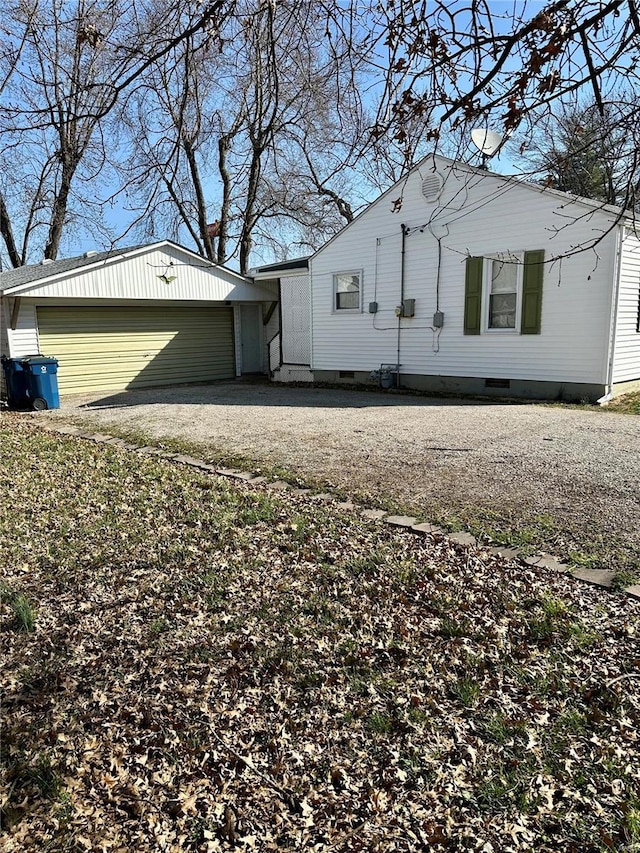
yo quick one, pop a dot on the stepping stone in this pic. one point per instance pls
(278, 486)
(634, 590)
(191, 462)
(424, 527)
(258, 479)
(241, 475)
(463, 538)
(506, 552)
(375, 514)
(546, 561)
(100, 436)
(322, 496)
(64, 430)
(599, 577)
(346, 505)
(300, 491)
(400, 520)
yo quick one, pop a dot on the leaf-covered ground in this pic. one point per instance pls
(190, 664)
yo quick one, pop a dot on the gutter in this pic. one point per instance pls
(613, 321)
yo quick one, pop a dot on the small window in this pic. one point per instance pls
(503, 286)
(347, 291)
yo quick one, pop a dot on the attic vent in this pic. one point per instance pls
(45, 261)
(432, 187)
(90, 253)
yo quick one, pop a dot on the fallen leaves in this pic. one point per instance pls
(217, 668)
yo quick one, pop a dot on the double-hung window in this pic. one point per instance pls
(503, 293)
(347, 291)
(503, 288)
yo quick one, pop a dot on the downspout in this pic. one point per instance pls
(613, 321)
(401, 306)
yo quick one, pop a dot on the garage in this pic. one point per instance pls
(112, 348)
(136, 318)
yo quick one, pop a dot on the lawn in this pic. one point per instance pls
(192, 664)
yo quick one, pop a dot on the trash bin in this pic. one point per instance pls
(15, 380)
(42, 381)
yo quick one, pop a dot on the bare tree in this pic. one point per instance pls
(458, 65)
(274, 108)
(584, 151)
(65, 66)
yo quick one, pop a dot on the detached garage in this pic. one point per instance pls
(141, 317)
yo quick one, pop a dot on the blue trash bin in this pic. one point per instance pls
(42, 381)
(15, 380)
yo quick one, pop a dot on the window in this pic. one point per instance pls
(347, 291)
(503, 293)
(503, 286)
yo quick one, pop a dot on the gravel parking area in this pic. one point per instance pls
(568, 479)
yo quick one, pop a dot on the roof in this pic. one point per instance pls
(281, 266)
(21, 276)
(36, 272)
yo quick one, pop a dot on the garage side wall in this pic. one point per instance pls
(23, 340)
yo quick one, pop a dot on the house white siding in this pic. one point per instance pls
(477, 215)
(626, 363)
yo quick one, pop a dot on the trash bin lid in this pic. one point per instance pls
(38, 359)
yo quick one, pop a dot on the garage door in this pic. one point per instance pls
(108, 349)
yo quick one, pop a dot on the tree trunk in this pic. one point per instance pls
(7, 234)
(59, 214)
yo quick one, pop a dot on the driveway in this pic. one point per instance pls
(565, 478)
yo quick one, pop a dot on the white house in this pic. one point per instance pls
(130, 318)
(457, 279)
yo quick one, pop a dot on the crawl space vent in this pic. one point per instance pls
(432, 187)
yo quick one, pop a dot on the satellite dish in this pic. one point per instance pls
(487, 142)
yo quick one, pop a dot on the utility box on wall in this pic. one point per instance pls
(408, 308)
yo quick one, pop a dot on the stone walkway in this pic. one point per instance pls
(410, 524)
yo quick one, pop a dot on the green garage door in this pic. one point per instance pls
(108, 349)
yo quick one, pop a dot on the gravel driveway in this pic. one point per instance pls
(570, 476)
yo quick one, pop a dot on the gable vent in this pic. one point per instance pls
(432, 187)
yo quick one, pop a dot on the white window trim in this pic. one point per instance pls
(334, 277)
(486, 291)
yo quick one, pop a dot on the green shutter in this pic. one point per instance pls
(532, 292)
(473, 296)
